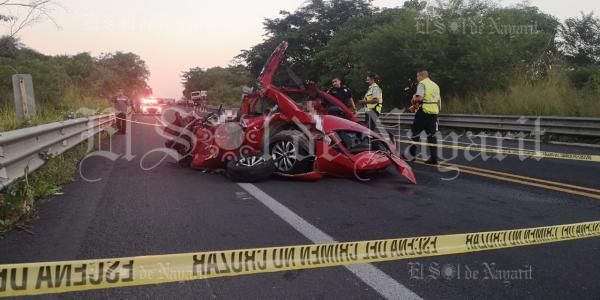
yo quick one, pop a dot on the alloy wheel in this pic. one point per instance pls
(251, 161)
(285, 155)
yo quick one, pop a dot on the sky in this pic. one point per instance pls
(176, 35)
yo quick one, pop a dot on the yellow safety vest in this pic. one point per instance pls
(432, 97)
(369, 96)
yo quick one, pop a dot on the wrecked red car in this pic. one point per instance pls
(297, 132)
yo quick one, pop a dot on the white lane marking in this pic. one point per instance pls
(369, 274)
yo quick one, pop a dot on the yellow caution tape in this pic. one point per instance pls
(69, 276)
(523, 153)
(141, 123)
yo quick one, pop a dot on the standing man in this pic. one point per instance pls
(373, 100)
(343, 93)
(428, 103)
(121, 105)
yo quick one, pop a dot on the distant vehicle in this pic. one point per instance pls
(199, 98)
(151, 106)
(165, 101)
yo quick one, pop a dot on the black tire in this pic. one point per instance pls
(240, 170)
(300, 159)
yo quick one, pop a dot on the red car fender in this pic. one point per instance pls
(332, 162)
(346, 165)
(370, 161)
(288, 109)
(403, 168)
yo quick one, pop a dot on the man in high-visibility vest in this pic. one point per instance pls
(428, 103)
(373, 100)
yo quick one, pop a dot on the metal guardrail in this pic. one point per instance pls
(576, 126)
(21, 150)
(531, 124)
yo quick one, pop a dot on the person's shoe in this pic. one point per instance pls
(432, 162)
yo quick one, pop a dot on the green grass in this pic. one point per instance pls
(72, 106)
(553, 96)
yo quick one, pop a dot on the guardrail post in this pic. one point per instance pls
(24, 96)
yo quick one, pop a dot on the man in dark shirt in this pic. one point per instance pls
(342, 92)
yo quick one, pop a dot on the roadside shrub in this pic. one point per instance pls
(586, 78)
(553, 95)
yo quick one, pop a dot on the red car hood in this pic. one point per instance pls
(333, 123)
(270, 68)
(286, 104)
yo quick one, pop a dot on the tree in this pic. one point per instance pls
(307, 30)
(62, 79)
(9, 46)
(85, 73)
(125, 71)
(223, 84)
(580, 39)
(340, 58)
(24, 13)
(394, 44)
(415, 4)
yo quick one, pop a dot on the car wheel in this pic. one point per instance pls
(290, 152)
(250, 169)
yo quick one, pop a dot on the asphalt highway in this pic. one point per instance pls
(142, 204)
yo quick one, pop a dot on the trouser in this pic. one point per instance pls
(371, 119)
(428, 123)
(121, 122)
